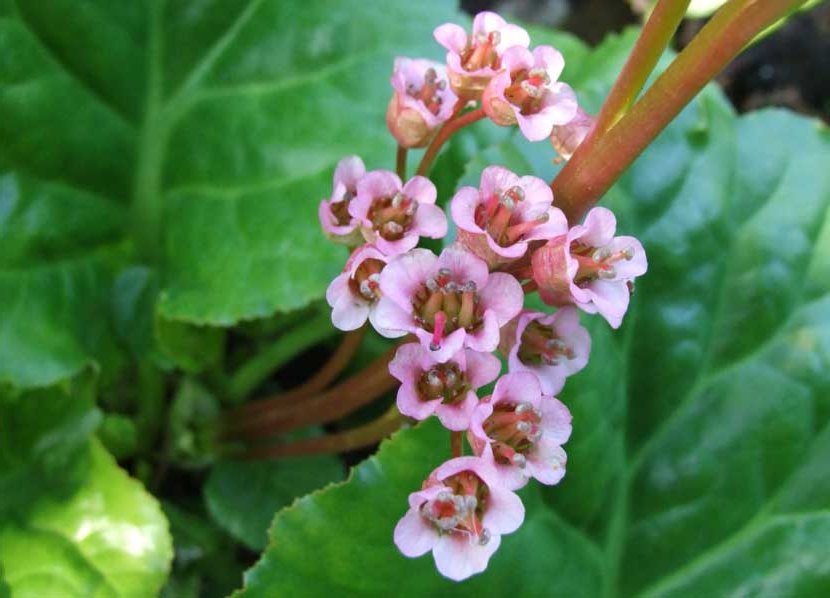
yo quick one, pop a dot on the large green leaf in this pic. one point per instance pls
(699, 459)
(108, 538)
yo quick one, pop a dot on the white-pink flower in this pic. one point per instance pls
(445, 389)
(338, 224)
(590, 267)
(473, 60)
(566, 138)
(527, 92)
(394, 216)
(421, 102)
(522, 431)
(460, 515)
(354, 293)
(497, 220)
(448, 301)
(552, 346)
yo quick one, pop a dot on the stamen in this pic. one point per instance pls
(519, 460)
(601, 254)
(628, 253)
(484, 536)
(438, 333)
(523, 407)
(607, 273)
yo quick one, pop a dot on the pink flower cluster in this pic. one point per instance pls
(461, 306)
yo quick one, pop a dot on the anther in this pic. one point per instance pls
(607, 273)
(444, 272)
(397, 199)
(433, 379)
(430, 76)
(601, 254)
(519, 460)
(628, 253)
(366, 289)
(494, 38)
(471, 502)
(484, 536)
(412, 208)
(451, 287)
(530, 89)
(523, 407)
(468, 287)
(523, 427)
(392, 228)
(432, 285)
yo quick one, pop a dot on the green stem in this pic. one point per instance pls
(150, 405)
(444, 133)
(589, 174)
(263, 364)
(653, 40)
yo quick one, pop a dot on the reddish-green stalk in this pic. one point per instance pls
(456, 444)
(654, 38)
(349, 440)
(449, 129)
(400, 162)
(592, 170)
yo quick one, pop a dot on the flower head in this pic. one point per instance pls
(338, 224)
(590, 267)
(394, 216)
(354, 293)
(527, 92)
(459, 515)
(473, 60)
(445, 389)
(552, 346)
(422, 100)
(447, 301)
(497, 220)
(522, 431)
(566, 138)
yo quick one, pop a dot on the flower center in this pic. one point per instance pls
(527, 89)
(481, 52)
(366, 279)
(597, 263)
(340, 209)
(443, 381)
(392, 216)
(443, 305)
(429, 93)
(514, 429)
(541, 345)
(502, 221)
(459, 508)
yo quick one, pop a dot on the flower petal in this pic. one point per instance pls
(414, 536)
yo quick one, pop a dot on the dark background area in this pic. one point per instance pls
(789, 68)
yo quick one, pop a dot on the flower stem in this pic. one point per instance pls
(340, 442)
(400, 162)
(592, 170)
(450, 127)
(263, 364)
(456, 444)
(319, 381)
(344, 398)
(653, 40)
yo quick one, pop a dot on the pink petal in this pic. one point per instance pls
(451, 344)
(537, 192)
(496, 180)
(517, 58)
(599, 227)
(504, 513)
(405, 366)
(518, 387)
(636, 266)
(556, 420)
(486, 338)
(378, 183)
(487, 21)
(464, 266)
(535, 127)
(389, 317)
(337, 288)
(503, 295)
(549, 59)
(510, 252)
(421, 189)
(359, 208)
(457, 417)
(513, 35)
(611, 298)
(350, 312)
(482, 368)
(399, 246)
(451, 36)
(463, 209)
(548, 462)
(404, 276)
(411, 405)
(384, 332)
(348, 171)
(556, 226)
(414, 536)
(430, 221)
(458, 557)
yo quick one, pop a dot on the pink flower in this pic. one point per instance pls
(527, 92)
(338, 224)
(448, 302)
(460, 515)
(392, 216)
(353, 294)
(473, 60)
(590, 267)
(552, 346)
(497, 220)
(445, 389)
(422, 101)
(522, 431)
(566, 138)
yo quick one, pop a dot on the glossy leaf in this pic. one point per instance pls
(109, 538)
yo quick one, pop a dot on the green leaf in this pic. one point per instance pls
(242, 496)
(339, 541)
(109, 538)
(698, 462)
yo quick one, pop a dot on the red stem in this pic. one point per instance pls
(445, 132)
(592, 170)
(456, 444)
(362, 436)
(400, 163)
